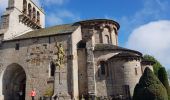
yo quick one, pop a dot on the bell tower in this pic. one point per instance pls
(10, 3)
(20, 17)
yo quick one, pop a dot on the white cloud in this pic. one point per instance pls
(151, 10)
(153, 39)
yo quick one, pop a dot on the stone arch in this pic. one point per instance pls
(14, 82)
(102, 68)
(107, 39)
(38, 17)
(109, 28)
(24, 6)
(34, 14)
(29, 11)
(105, 36)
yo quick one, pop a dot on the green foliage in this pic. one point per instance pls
(168, 72)
(149, 88)
(163, 77)
(49, 92)
(157, 64)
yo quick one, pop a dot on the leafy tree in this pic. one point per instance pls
(168, 72)
(163, 77)
(149, 88)
(157, 64)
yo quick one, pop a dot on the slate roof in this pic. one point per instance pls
(103, 47)
(59, 29)
(125, 54)
(146, 62)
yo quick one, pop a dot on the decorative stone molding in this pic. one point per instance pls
(29, 22)
(99, 23)
(106, 25)
(127, 57)
(90, 27)
(147, 62)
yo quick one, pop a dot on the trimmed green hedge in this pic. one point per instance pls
(149, 88)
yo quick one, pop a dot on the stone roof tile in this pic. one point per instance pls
(103, 47)
(59, 29)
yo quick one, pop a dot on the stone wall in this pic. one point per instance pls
(82, 72)
(76, 37)
(121, 74)
(126, 75)
(104, 83)
(35, 55)
(148, 64)
(103, 31)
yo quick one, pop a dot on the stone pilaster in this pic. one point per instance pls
(90, 68)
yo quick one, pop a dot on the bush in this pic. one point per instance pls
(149, 88)
(49, 92)
(163, 77)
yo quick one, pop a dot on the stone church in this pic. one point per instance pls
(66, 62)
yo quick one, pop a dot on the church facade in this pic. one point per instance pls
(67, 61)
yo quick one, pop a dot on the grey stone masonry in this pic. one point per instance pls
(90, 68)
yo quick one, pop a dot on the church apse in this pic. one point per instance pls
(100, 30)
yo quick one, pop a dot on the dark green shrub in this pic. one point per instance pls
(149, 88)
(163, 77)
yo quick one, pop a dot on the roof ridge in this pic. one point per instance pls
(58, 29)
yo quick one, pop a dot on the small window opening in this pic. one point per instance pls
(17, 46)
(107, 39)
(24, 6)
(102, 66)
(38, 17)
(52, 70)
(81, 44)
(30, 11)
(34, 15)
(136, 71)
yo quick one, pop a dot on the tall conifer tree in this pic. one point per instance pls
(149, 88)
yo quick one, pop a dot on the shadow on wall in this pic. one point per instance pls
(105, 82)
(14, 83)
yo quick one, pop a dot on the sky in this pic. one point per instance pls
(144, 24)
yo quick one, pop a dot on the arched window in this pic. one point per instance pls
(52, 69)
(102, 67)
(107, 39)
(81, 44)
(38, 17)
(29, 10)
(34, 14)
(24, 6)
(136, 71)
